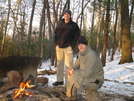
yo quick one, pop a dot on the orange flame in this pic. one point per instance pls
(20, 92)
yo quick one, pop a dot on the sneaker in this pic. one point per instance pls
(57, 83)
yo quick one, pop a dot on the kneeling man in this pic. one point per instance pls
(86, 73)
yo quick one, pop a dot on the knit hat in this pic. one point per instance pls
(67, 11)
(81, 40)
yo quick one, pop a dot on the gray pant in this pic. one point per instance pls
(77, 82)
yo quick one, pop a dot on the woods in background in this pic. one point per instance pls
(27, 26)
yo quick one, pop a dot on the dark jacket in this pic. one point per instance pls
(66, 34)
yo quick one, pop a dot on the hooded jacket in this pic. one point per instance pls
(66, 34)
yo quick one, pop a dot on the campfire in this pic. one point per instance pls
(19, 81)
(19, 93)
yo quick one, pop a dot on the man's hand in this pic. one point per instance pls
(70, 71)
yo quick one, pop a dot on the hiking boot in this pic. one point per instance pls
(92, 95)
(57, 83)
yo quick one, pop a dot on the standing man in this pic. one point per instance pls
(87, 73)
(65, 39)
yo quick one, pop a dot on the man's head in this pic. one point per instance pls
(82, 43)
(67, 15)
(67, 11)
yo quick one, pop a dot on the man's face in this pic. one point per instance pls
(82, 47)
(67, 16)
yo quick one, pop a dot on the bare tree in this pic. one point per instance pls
(82, 10)
(42, 22)
(92, 23)
(114, 33)
(30, 26)
(15, 17)
(98, 44)
(5, 33)
(125, 30)
(23, 21)
(103, 56)
(82, 14)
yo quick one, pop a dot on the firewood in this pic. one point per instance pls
(13, 79)
(42, 80)
(31, 78)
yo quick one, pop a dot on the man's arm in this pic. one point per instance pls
(55, 38)
(89, 68)
(77, 34)
(76, 65)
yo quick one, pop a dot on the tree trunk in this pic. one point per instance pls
(131, 12)
(92, 25)
(22, 33)
(118, 38)
(43, 35)
(126, 36)
(41, 30)
(114, 34)
(4, 36)
(15, 19)
(49, 20)
(98, 45)
(54, 22)
(50, 33)
(82, 12)
(30, 27)
(68, 4)
(103, 57)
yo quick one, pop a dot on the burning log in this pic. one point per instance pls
(20, 92)
(35, 94)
